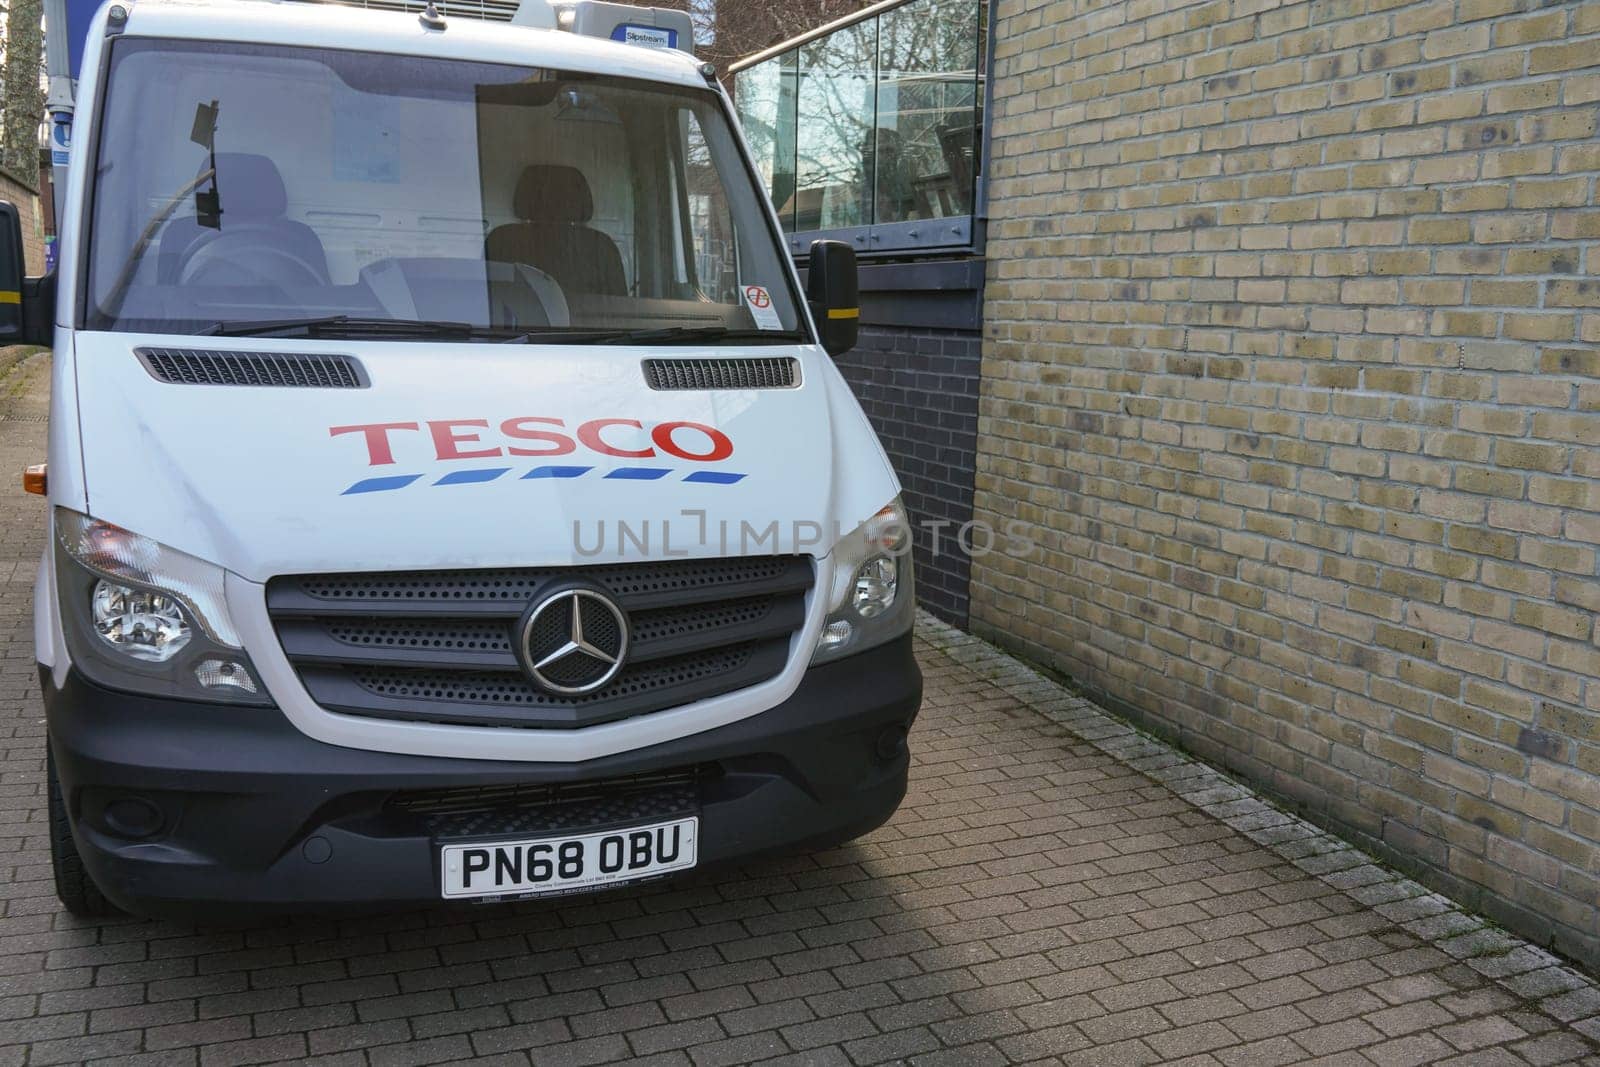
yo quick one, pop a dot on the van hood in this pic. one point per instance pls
(470, 455)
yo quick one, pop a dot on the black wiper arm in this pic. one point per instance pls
(340, 325)
(343, 324)
(667, 334)
(710, 333)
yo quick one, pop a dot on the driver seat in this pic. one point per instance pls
(555, 207)
(254, 209)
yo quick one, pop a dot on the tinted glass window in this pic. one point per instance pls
(833, 156)
(927, 110)
(874, 126)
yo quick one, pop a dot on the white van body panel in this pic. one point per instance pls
(254, 478)
(64, 452)
(64, 442)
(294, 22)
(257, 480)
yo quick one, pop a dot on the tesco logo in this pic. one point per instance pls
(536, 435)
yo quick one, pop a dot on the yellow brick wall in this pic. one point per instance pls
(1292, 365)
(26, 199)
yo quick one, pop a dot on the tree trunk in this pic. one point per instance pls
(24, 99)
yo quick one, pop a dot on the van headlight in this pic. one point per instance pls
(871, 600)
(142, 617)
(139, 623)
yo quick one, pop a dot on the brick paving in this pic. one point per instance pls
(1056, 889)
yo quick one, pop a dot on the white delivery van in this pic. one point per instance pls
(451, 494)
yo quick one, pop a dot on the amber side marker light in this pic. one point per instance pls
(36, 479)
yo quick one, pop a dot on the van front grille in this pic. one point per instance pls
(439, 646)
(542, 809)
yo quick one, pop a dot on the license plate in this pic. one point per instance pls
(566, 864)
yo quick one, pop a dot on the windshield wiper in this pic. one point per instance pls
(659, 335)
(344, 325)
(352, 324)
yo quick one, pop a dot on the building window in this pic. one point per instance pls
(870, 130)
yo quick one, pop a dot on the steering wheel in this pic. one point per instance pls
(257, 261)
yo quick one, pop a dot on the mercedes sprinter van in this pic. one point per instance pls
(451, 495)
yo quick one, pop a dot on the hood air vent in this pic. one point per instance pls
(764, 373)
(190, 366)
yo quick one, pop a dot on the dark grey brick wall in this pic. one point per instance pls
(919, 388)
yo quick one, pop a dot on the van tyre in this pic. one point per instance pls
(73, 885)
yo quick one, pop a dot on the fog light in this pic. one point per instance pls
(133, 817)
(138, 622)
(876, 584)
(224, 674)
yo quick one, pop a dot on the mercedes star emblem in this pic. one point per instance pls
(573, 641)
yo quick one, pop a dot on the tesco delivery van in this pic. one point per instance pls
(451, 493)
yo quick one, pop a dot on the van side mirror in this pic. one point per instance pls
(13, 275)
(831, 290)
(27, 305)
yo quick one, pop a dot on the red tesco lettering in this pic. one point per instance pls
(538, 435)
(721, 447)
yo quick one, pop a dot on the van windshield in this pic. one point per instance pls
(244, 184)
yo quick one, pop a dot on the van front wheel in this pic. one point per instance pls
(73, 884)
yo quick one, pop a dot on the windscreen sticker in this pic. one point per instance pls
(759, 301)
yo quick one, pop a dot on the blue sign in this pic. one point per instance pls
(60, 138)
(645, 36)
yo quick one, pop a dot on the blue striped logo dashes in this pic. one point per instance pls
(391, 482)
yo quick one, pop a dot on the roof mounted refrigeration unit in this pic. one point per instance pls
(648, 27)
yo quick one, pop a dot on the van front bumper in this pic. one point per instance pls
(176, 804)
